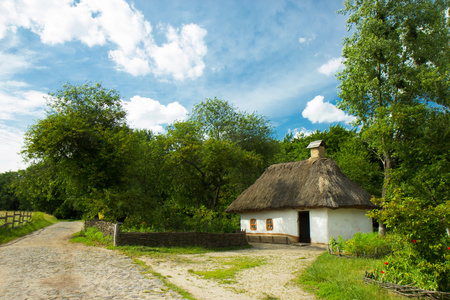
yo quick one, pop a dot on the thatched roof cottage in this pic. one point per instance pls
(304, 201)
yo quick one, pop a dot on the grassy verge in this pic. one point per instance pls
(38, 221)
(167, 252)
(92, 237)
(170, 285)
(228, 268)
(331, 277)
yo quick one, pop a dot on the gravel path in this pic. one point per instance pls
(275, 279)
(45, 265)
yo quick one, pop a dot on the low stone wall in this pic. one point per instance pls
(103, 226)
(170, 239)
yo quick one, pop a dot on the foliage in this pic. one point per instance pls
(84, 143)
(422, 170)
(351, 153)
(44, 191)
(91, 237)
(39, 220)
(331, 277)
(422, 255)
(396, 71)
(219, 120)
(406, 265)
(366, 244)
(9, 200)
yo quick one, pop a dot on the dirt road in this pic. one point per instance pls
(45, 265)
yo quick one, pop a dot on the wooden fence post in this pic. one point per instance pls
(116, 234)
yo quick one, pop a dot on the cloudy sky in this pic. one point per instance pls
(276, 58)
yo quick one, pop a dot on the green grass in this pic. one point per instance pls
(38, 221)
(168, 252)
(170, 285)
(92, 237)
(2, 214)
(228, 268)
(334, 278)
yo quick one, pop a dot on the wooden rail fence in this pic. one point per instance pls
(15, 218)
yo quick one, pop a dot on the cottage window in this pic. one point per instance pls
(269, 224)
(253, 224)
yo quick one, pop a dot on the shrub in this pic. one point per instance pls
(367, 244)
(92, 235)
(406, 265)
(421, 256)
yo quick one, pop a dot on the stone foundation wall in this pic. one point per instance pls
(103, 226)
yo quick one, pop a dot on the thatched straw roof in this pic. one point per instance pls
(311, 183)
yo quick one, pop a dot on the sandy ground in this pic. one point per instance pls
(274, 278)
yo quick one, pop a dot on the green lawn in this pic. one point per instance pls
(38, 221)
(331, 277)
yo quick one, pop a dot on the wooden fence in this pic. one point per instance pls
(15, 218)
(409, 291)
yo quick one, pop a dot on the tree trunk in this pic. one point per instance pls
(387, 169)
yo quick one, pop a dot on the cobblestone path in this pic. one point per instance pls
(45, 265)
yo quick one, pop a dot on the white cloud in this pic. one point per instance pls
(23, 103)
(298, 132)
(318, 111)
(146, 113)
(182, 55)
(331, 67)
(113, 23)
(15, 106)
(12, 63)
(10, 145)
(306, 40)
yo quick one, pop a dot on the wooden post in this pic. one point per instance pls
(116, 233)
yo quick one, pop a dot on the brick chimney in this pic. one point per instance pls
(317, 149)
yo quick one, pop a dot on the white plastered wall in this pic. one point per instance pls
(284, 222)
(347, 222)
(324, 222)
(318, 222)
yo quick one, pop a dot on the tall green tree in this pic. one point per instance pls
(211, 158)
(205, 168)
(9, 200)
(217, 119)
(85, 140)
(346, 147)
(396, 60)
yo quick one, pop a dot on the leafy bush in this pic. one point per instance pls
(367, 244)
(421, 255)
(406, 265)
(184, 219)
(91, 236)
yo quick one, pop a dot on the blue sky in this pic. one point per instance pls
(276, 58)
